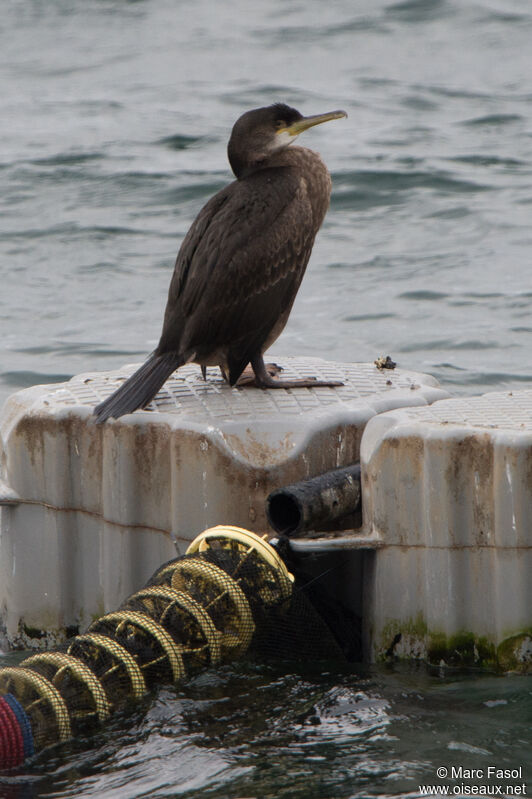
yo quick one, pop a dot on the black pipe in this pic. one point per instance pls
(316, 504)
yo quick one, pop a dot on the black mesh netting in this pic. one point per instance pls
(230, 595)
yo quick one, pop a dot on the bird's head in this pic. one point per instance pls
(257, 134)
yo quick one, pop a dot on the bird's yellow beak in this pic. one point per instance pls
(308, 122)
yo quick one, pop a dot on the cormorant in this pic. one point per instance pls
(240, 265)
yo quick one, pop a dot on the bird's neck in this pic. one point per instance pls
(309, 168)
(300, 157)
(312, 170)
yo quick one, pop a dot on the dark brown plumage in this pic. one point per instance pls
(240, 265)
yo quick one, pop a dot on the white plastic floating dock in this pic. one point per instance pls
(440, 569)
(89, 512)
(449, 489)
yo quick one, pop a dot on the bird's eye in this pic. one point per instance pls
(279, 124)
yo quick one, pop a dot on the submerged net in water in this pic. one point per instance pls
(230, 594)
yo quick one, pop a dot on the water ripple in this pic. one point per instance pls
(494, 120)
(418, 11)
(179, 141)
(394, 181)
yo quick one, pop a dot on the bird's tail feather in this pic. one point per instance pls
(140, 388)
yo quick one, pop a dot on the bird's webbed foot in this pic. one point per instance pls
(264, 379)
(248, 377)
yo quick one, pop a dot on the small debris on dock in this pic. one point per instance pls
(384, 363)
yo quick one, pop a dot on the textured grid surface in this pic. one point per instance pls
(187, 394)
(502, 410)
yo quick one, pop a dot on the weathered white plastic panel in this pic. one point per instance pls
(100, 507)
(449, 489)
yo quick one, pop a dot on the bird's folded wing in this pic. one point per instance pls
(242, 259)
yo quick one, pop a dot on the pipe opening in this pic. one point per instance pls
(284, 512)
(322, 503)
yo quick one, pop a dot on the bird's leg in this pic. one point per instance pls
(247, 378)
(204, 372)
(265, 380)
